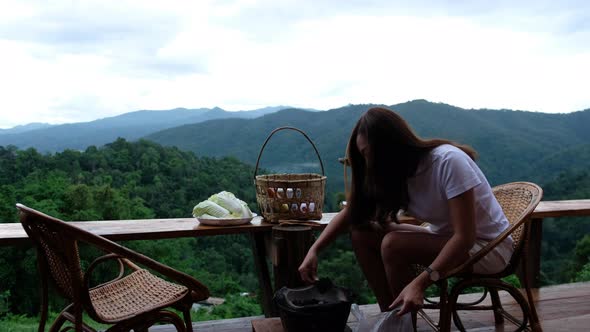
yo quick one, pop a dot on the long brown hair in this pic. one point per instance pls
(379, 184)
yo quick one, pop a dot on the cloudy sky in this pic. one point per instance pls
(72, 61)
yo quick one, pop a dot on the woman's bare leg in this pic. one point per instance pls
(367, 248)
(401, 249)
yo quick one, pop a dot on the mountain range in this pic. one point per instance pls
(131, 126)
(512, 145)
(24, 128)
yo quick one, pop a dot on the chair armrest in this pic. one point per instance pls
(122, 263)
(135, 257)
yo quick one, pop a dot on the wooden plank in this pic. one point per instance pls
(267, 325)
(221, 325)
(153, 229)
(12, 234)
(150, 229)
(570, 324)
(565, 208)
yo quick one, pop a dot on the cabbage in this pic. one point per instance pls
(222, 205)
(228, 201)
(246, 213)
(210, 208)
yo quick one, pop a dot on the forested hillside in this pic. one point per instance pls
(512, 145)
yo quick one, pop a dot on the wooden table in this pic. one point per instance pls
(152, 229)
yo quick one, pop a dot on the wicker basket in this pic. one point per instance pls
(290, 196)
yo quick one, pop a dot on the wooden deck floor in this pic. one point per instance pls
(560, 308)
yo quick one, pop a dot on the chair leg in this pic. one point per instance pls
(444, 323)
(44, 304)
(187, 319)
(452, 305)
(170, 317)
(497, 305)
(415, 320)
(57, 324)
(69, 315)
(60, 320)
(535, 323)
(185, 307)
(78, 317)
(43, 269)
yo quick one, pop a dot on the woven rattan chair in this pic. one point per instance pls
(518, 200)
(135, 300)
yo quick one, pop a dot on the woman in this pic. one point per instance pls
(436, 181)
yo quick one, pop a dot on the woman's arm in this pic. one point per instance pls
(338, 225)
(453, 253)
(456, 250)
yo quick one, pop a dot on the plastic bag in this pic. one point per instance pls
(382, 322)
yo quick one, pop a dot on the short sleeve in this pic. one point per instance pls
(457, 174)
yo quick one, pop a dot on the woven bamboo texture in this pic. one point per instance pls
(298, 196)
(515, 201)
(137, 292)
(59, 252)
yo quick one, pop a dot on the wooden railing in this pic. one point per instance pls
(285, 245)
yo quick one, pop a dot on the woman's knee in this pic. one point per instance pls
(393, 246)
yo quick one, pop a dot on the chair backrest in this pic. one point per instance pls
(57, 249)
(518, 200)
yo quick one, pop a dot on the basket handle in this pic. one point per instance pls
(290, 128)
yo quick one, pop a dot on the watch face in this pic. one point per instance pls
(434, 276)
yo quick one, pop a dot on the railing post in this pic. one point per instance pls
(260, 253)
(533, 260)
(535, 252)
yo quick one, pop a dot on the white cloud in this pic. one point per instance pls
(78, 61)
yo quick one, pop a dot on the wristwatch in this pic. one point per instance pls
(433, 274)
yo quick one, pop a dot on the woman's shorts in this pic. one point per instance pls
(496, 260)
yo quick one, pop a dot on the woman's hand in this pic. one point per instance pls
(309, 268)
(411, 298)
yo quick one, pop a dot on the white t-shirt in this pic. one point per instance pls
(447, 172)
